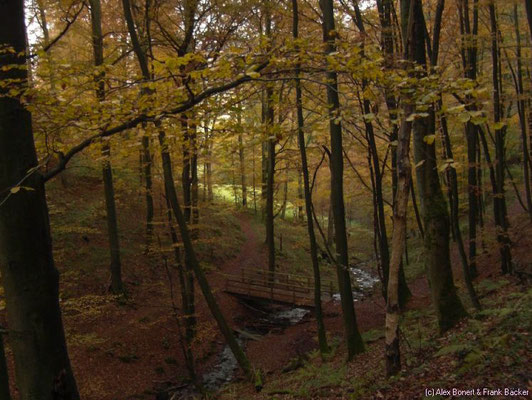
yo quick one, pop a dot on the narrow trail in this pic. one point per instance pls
(252, 252)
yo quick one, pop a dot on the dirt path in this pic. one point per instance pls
(252, 254)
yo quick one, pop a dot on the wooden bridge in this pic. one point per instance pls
(286, 288)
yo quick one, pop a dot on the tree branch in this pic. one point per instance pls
(66, 157)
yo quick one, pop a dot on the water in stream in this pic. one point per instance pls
(363, 283)
(226, 365)
(223, 371)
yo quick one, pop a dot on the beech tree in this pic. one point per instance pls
(448, 306)
(29, 276)
(353, 339)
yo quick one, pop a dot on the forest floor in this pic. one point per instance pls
(128, 347)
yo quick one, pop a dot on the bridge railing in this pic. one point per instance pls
(293, 288)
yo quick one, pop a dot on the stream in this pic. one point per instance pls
(270, 319)
(363, 283)
(224, 370)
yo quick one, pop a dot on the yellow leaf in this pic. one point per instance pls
(429, 139)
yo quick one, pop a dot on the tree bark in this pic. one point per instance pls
(241, 157)
(29, 276)
(393, 354)
(147, 159)
(353, 338)
(186, 182)
(469, 60)
(322, 336)
(117, 286)
(239, 354)
(449, 308)
(528, 6)
(270, 161)
(381, 232)
(4, 375)
(146, 163)
(500, 133)
(522, 109)
(455, 223)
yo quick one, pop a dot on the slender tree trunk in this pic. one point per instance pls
(522, 107)
(117, 286)
(29, 276)
(469, 60)
(147, 159)
(500, 133)
(382, 237)
(270, 152)
(322, 337)
(300, 196)
(393, 354)
(190, 193)
(455, 224)
(241, 157)
(449, 308)
(210, 193)
(194, 184)
(239, 354)
(270, 238)
(353, 338)
(416, 210)
(285, 194)
(330, 225)
(186, 338)
(528, 6)
(146, 170)
(4, 375)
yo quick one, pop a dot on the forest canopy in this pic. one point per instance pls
(271, 150)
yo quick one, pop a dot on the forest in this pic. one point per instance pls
(265, 199)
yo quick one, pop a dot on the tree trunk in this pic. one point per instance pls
(187, 185)
(455, 223)
(29, 276)
(500, 133)
(300, 196)
(393, 354)
(528, 6)
(239, 354)
(270, 238)
(469, 60)
(270, 161)
(117, 286)
(146, 168)
(522, 108)
(322, 336)
(4, 375)
(285, 194)
(241, 157)
(353, 338)
(381, 232)
(209, 145)
(449, 308)
(330, 225)
(186, 338)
